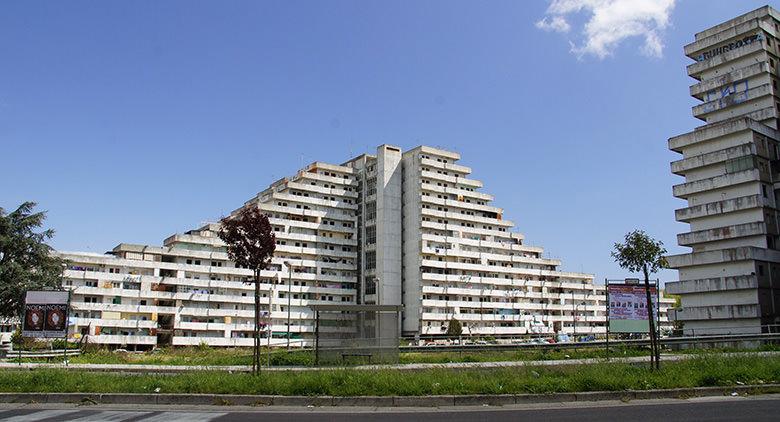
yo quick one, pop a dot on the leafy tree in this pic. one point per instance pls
(250, 244)
(641, 252)
(454, 328)
(26, 261)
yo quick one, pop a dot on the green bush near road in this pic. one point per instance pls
(707, 370)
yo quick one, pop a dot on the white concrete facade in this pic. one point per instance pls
(389, 228)
(730, 281)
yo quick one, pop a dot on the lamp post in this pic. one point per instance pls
(289, 295)
(466, 278)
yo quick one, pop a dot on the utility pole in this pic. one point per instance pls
(289, 295)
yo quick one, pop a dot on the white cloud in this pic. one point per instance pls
(556, 23)
(610, 22)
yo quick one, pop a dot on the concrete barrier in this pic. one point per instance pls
(382, 401)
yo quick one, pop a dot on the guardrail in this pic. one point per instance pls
(667, 341)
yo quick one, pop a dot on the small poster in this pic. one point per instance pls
(45, 314)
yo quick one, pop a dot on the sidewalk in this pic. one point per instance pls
(380, 401)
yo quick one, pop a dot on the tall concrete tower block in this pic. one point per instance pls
(388, 226)
(730, 280)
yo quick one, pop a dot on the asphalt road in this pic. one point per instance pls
(754, 409)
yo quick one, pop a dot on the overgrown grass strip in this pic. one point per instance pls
(697, 372)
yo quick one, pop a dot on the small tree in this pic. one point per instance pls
(454, 328)
(642, 253)
(250, 244)
(26, 262)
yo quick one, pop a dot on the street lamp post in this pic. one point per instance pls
(289, 295)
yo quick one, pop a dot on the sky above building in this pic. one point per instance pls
(131, 121)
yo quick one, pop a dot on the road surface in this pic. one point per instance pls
(753, 409)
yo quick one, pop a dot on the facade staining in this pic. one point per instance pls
(730, 281)
(394, 228)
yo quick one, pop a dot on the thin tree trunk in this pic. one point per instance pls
(256, 354)
(651, 322)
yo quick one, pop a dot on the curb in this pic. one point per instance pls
(381, 401)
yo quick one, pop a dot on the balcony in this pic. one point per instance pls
(681, 166)
(717, 284)
(702, 110)
(695, 70)
(685, 190)
(700, 90)
(722, 207)
(722, 255)
(122, 340)
(757, 228)
(706, 313)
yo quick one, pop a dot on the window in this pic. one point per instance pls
(370, 260)
(740, 164)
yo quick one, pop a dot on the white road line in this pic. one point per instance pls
(42, 414)
(184, 417)
(108, 416)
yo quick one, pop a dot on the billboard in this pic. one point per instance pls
(628, 308)
(45, 314)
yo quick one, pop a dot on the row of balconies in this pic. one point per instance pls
(522, 306)
(466, 232)
(587, 285)
(717, 284)
(722, 255)
(454, 203)
(139, 265)
(430, 316)
(432, 187)
(310, 200)
(450, 179)
(446, 166)
(312, 226)
(757, 228)
(508, 294)
(722, 207)
(454, 216)
(679, 167)
(684, 190)
(701, 110)
(720, 129)
(704, 313)
(695, 70)
(321, 189)
(485, 256)
(461, 266)
(701, 89)
(487, 244)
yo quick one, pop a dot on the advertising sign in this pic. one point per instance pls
(45, 314)
(628, 310)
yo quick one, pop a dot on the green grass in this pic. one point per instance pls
(196, 356)
(205, 356)
(706, 370)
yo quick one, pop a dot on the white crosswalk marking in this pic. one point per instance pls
(184, 417)
(36, 416)
(108, 416)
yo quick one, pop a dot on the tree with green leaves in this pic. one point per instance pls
(454, 328)
(250, 244)
(26, 261)
(642, 253)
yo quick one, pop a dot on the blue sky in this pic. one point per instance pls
(130, 121)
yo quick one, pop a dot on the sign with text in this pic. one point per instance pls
(45, 314)
(628, 310)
